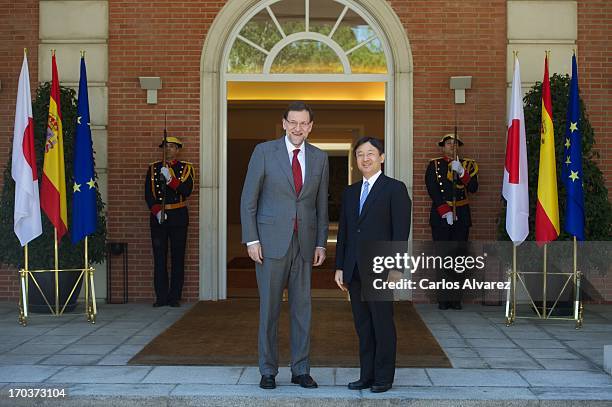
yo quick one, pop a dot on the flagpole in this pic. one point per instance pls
(24, 287)
(56, 272)
(513, 281)
(544, 287)
(576, 296)
(86, 270)
(575, 257)
(455, 175)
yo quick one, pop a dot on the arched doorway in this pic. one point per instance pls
(269, 41)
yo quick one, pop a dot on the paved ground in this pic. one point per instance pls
(531, 363)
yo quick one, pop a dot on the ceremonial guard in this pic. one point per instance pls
(450, 180)
(168, 184)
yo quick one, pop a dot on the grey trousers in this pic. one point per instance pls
(272, 277)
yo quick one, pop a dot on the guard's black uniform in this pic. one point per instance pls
(439, 181)
(173, 228)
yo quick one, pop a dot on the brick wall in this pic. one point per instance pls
(165, 39)
(455, 39)
(152, 39)
(595, 74)
(18, 30)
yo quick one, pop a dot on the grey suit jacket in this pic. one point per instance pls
(269, 204)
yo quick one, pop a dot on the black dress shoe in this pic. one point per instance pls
(456, 305)
(267, 382)
(380, 388)
(174, 304)
(159, 304)
(304, 380)
(360, 384)
(443, 305)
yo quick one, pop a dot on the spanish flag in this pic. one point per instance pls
(547, 209)
(53, 187)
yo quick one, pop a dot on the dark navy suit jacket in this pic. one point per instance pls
(385, 217)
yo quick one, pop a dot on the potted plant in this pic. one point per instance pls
(41, 249)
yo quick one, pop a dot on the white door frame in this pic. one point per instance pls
(213, 130)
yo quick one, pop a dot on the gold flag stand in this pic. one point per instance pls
(86, 274)
(574, 277)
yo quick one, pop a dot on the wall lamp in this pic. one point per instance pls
(460, 84)
(151, 84)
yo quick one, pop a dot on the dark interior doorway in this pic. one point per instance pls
(337, 126)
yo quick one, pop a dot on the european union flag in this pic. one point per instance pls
(84, 213)
(571, 171)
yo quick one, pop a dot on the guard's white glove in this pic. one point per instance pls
(449, 218)
(457, 167)
(158, 216)
(166, 173)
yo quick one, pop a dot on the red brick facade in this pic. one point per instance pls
(165, 39)
(595, 74)
(152, 39)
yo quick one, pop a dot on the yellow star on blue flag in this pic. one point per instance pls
(574, 175)
(84, 210)
(571, 170)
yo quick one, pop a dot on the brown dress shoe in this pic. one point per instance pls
(267, 382)
(304, 380)
(360, 384)
(380, 388)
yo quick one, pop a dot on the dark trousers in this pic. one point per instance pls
(160, 235)
(446, 235)
(376, 331)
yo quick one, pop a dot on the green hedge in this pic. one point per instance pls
(41, 254)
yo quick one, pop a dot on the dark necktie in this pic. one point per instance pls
(296, 169)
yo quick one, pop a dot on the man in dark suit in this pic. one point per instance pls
(283, 211)
(450, 180)
(376, 208)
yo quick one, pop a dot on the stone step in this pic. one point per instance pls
(127, 395)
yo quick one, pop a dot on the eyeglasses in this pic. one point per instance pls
(292, 124)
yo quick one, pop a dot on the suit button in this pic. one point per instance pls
(358, 230)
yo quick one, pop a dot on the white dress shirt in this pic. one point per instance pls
(301, 156)
(371, 182)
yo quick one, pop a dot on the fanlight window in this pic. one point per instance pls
(307, 37)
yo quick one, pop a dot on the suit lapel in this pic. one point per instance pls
(310, 160)
(355, 198)
(283, 161)
(372, 195)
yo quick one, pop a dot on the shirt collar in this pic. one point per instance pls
(373, 178)
(291, 147)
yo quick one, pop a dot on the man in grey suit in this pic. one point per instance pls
(283, 211)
